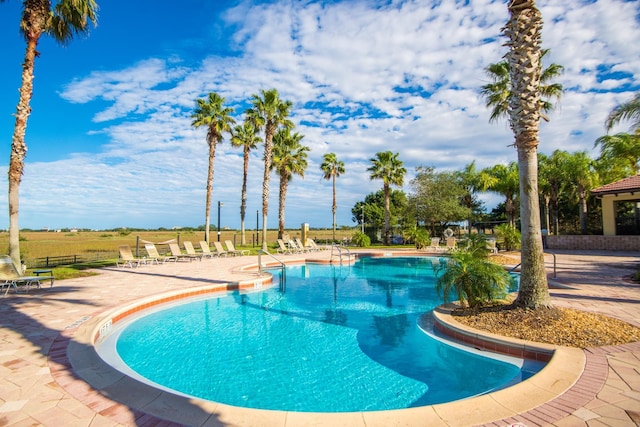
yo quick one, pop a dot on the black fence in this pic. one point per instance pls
(56, 261)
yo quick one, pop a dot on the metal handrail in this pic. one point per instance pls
(282, 264)
(339, 248)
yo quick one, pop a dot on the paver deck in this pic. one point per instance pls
(39, 386)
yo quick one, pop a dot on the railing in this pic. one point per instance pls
(54, 261)
(283, 280)
(339, 249)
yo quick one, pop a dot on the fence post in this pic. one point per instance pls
(137, 246)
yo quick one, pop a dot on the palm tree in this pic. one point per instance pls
(387, 167)
(624, 146)
(630, 110)
(504, 180)
(497, 92)
(268, 113)
(289, 158)
(244, 136)
(582, 178)
(332, 168)
(61, 21)
(217, 118)
(523, 30)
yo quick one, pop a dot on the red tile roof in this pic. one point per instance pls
(627, 185)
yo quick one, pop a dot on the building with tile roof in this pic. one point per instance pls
(620, 206)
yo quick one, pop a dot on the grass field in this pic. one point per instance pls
(102, 245)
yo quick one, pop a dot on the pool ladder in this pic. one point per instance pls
(283, 280)
(339, 249)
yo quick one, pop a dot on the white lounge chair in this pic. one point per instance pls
(282, 248)
(219, 249)
(10, 276)
(191, 251)
(232, 250)
(176, 252)
(127, 258)
(154, 256)
(434, 245)
(206, 250)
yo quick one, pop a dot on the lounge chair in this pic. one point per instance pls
(10, 276)
(282, 248)
(491, 245)
(206, 250)
(219, 249)
(295, 248)
(191, 251)
(434, 245)
(232, 250)
(176, 252)
(302, 246)
(315, 246)
(127, 258)
(451, 243)
(154, 256)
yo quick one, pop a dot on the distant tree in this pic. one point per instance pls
(504, 180)
(582, 178)
(332, 168)
(244, 136)
(289, 159)
(268, 112)
(387, 167)
(62, 21)
(621, 146)
(373, 206)
(472, 181)
(438, 196)
(212, 113)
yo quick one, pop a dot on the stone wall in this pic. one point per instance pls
(607, 243)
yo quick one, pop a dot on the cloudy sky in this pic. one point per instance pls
(110, 137)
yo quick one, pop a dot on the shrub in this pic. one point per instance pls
(473, 278)
(419, 236)
(360, 239)
(508, 237)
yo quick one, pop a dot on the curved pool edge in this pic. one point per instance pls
(76, 366)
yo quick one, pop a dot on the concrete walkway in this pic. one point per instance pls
(38, 386)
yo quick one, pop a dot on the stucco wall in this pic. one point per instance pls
(608, 243)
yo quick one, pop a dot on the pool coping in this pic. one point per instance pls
(76, 366)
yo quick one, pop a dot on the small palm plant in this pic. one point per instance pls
(472, 278)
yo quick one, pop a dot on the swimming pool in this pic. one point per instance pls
(328, 339)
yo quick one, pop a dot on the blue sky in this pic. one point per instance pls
(110, 142)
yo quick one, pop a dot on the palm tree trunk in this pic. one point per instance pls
(243, 197)
(523, 31)
(268, 148)
(18, 145)
(334, 207)
(281, 203)
(207, 208)
(387, 214)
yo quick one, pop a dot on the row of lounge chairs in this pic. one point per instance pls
(127, 259)
(451, 244)
(295, 246)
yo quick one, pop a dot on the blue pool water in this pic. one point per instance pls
(328, 339)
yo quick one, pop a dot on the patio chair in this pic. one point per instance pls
(317, 247)
(191, 251)
(491, 245)
(434, 245)
(232, 250)
(206, 250)
(219, 249)
(176, 252)
(10, 276)
(154, 256)
(295, 248)
(451, 243)
(127, 258)
(282, 248)
(302, 246)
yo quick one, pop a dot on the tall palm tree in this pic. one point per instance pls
(212, 113)
(268, 112)
(332, 168)
(497, 92)
(289, 158)
(61, 21)
(244, 136)
(387, 167)
(630, 110)
(523, 30)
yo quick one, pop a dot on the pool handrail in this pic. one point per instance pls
(339, 249)
(262, 251)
